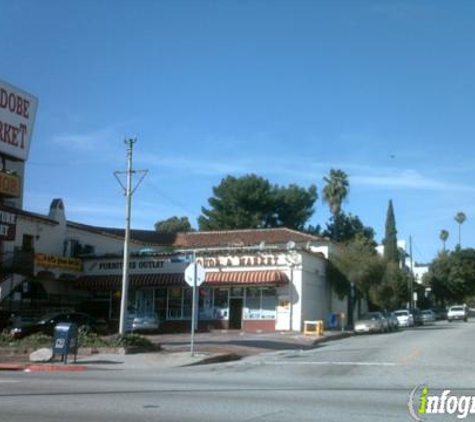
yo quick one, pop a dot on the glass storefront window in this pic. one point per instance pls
(187, 302)
(221, 304)
(253, 303)
(206, 303)
(161, 303)
(174, 302)
(269, 303)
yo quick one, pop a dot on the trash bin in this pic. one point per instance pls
(65, 340)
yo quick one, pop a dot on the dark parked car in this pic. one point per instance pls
(417, 315)
(47, 323)
(393, 322)
(440, 313)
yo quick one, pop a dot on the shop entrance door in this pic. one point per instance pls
(235, 314)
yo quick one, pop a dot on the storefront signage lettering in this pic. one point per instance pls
(239, 261)
(53, 261)
(108, 266)
(17, 118)
(7, 225)
(9, 185)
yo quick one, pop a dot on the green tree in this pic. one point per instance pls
(173, 225)
(348, 228)
(391, 251)
(460, 218)
(252, 202)
(336, 190)
(354, 269)
(452, 275)
(444, 235)
(293, 206)
(392, 291)
(438, 277)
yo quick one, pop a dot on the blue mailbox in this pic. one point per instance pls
(65, 340)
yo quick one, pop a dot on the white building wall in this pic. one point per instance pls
(314, 295)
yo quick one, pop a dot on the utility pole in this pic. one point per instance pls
(128, 211)
(411, 288)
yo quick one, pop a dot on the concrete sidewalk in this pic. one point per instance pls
(211, 347)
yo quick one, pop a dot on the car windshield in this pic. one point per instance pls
(457, 308)
(49, 317)
(401, 313)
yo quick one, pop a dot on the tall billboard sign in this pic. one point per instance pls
(17, 118)
(7, 224)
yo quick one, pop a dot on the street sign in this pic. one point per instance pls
(190, 274)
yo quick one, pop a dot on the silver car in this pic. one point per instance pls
(143, 323)
(404, 317)
(428, 316)
(374, 322)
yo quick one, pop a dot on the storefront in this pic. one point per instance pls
(250, 291)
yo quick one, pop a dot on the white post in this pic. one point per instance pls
(125, 268)
(193, 306)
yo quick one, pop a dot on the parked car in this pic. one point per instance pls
(417, 315)
(143, 323)
(404, 317)
(440, 313)
(428, 316)
(457, 313)
(46, 324)
(393, 322)
(373, 322)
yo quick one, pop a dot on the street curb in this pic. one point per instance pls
(340, 336)
(228, 357)
(12, 366)
(56, 368)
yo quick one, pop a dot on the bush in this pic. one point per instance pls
(35, 341)
(135, 340)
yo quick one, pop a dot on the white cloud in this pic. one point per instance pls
(96, 140)
(85, 141)
(408, 179)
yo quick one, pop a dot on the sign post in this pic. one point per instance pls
(194, 276)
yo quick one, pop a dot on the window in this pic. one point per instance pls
(260, 303)
(253, 303)
(161, 303)
(220, 303)
(27, 243)
(174, 303)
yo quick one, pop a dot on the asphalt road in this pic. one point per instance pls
(364, 378)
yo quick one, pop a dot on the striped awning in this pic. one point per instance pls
(223, 278)
(114, 282)
(246, 278)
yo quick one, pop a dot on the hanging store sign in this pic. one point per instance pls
(7, 225)
(136, 266)
(9, 185)
(53, 261)
(17, 118)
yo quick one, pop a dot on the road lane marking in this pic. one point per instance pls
(333, 363)
(8, 381)
(410, 357)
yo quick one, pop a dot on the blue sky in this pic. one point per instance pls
(384, 90)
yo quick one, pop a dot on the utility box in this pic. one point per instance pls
(66, 340)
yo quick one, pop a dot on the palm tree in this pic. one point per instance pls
(444, 235)
(460, 218)
(336, 190)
